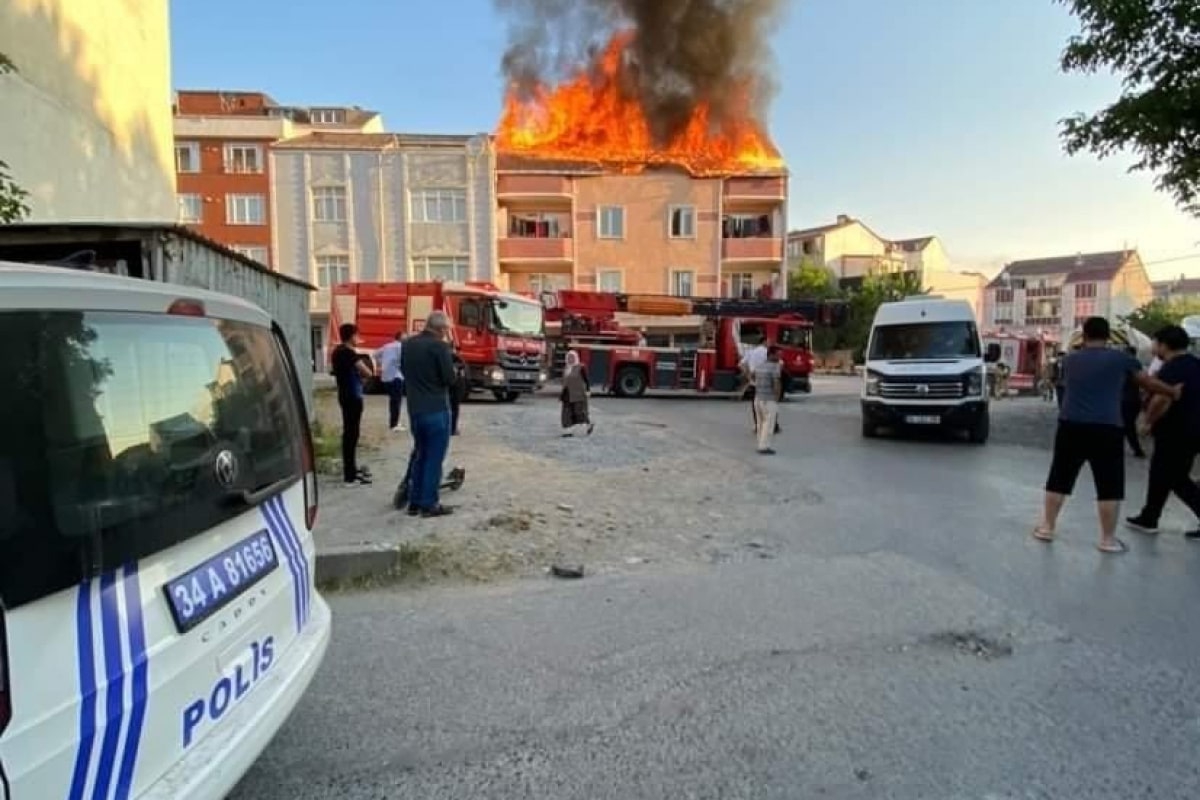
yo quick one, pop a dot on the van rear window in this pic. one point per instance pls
(124, 434)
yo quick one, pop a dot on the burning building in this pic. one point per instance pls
(641, 165)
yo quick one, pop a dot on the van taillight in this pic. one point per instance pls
(309, 463)
(5, 688)
(184, 307)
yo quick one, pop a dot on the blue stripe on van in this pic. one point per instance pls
(141, 668)
(115, 674)
(87, 689)
(303, 559)
(279, 538)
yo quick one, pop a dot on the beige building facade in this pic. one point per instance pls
(92, 93)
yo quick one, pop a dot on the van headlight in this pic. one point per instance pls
(497, 375)
(975, 383)
(872, 384)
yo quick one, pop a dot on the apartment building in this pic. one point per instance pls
(1181, 289)
(85, 123)
(1053, 296)
(381, 207)
(658, 231)
(223, 166)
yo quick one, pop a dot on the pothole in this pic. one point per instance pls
(974, 643)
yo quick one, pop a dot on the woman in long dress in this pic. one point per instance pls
(574, 395)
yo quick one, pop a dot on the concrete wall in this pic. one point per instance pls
(850, 240)
(967, 286)
(87, 119)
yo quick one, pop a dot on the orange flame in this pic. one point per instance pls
(589, 118)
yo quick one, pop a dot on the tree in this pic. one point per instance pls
(810, 279)
(1159, 313)
(865, 301)
(12, 197)
(1154, 46)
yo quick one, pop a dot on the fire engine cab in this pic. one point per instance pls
(603, 328)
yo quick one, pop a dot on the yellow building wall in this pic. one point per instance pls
(647, 254)
(85, 123)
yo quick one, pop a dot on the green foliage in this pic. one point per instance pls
(1154, 47)
(811, 280)
(12, 197)
(1159, 313)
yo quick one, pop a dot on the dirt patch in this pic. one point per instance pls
(973, 643)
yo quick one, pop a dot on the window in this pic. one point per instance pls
(470, 314)
(110, 437)
(683, 222)
(1085, 291)
(440, 205)
(551, 282)
(746, 226)
(253, 251)
(442, 268)
(1003, 314)
(1004, 296)
(534, 226)
(610, 280)
(924, 340)
(1084, 308)
(741, 285)
(187, 157)
(794, 249)
(245, 209)
(683, 282)
(243, 158)
(328, 116)
(329, 203)
(332, 270)
(191, 208)
(752, 333)
(611, 222)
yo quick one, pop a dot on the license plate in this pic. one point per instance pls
(924, 420)
(204, 590)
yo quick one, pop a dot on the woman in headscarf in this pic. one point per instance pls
(574, 395)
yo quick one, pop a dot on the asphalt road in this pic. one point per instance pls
(905, 638)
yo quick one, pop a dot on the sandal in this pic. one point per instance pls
(1043, 534)
(1120, 548)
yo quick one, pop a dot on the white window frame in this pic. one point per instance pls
(193, 151)
(674, 283)
(605, 225)
(235, 151)
(603, 273)
(548, 282)
(460, 268)
(734, 292)
(183, 200)
(450, 206)
(339, 262)
(329, 203)
(328, 116)
(234, 202)
(687, 222)
(253, 251)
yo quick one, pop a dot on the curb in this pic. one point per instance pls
(349, 564)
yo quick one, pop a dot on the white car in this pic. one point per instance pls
(158, 617)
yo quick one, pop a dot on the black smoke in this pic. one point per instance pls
(683, 53)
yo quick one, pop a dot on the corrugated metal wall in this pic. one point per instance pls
(190, 263)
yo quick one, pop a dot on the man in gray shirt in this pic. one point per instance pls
(1091, 431)
(428, 372)
(767, 378)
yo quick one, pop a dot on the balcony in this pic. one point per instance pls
(1044, 321)
(1045, 291)
(533, 187)
(758, 248)
(540, 249)
(772, 189)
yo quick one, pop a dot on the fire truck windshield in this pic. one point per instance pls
(795, 337)
(516, 316)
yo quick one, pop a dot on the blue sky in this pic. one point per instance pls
(919, 117)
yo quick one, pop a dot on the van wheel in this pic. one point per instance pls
(631, 382)
(978, 434)
(869, 431)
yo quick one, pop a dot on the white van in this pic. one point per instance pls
(158, 620)
(926, 367)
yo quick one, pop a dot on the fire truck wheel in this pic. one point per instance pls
(506, 397)
(631, 382)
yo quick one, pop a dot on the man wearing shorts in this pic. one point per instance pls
(1090, 430)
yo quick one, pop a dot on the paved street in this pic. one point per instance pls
(894, 632)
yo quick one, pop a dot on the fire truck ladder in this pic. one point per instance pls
(688, 379)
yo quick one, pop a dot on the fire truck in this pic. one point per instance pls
(603, 327)
(499, 336)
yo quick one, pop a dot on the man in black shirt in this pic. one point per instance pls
(350, 372)
(1176, 429)
(428, 369)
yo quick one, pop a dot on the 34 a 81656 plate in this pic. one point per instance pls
(203, 590)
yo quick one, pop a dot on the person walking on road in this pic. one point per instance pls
(750, 361)
(1131, 407)
(574, 396)
(428, 369)
(1090, 431)
(393, 379)
(1175, 427)
(767, 379)
(349, 371)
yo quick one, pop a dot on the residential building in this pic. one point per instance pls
(86, 124)
(658, 231)
(1054, 296)
(381, 207)
(222, 160)
(1182, 288)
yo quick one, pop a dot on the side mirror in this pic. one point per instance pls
(993, 353)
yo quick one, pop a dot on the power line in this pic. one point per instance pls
(1170, 260)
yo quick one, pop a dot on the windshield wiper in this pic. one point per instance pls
(253, 497)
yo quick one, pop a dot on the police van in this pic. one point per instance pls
(158, 620)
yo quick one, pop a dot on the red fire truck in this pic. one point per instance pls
(600, 326)
(500, 336)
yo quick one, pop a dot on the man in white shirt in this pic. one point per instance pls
(393, 379)
(751, 361)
